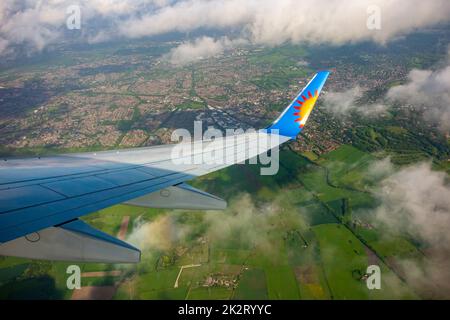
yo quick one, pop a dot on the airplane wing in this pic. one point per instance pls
(41, 199)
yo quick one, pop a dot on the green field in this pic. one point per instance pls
(252, 286)
(191, 105)
(281, 283)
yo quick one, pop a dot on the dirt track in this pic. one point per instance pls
(94, 293)
(98, 274)
(123, 228)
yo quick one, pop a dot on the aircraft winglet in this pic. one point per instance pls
(291, 122)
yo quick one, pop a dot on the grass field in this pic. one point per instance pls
(252, 286)
(345, 261)
(157, 280)
(191, 105)
(347, 167)
(312, 282)
(342, 255)
(209, 294)
(281, 283)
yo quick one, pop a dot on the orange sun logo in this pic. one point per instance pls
(305, 107)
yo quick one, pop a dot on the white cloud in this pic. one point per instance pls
(343, 104)
(38, 23)
(201, 48)
(3, 45)
(162, 233)
(275, 22)
(429, 90)
(422, 197)
(380, 169)
(30, 23)
(416, 200)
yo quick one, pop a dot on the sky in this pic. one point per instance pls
(34, 25)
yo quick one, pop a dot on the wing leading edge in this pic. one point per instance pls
(42, 199)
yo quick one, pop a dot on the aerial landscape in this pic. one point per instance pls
(365, 183)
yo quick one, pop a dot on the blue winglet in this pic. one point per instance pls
(291, 122)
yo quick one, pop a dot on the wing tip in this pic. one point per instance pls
(287, 122)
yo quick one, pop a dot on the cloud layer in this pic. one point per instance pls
(343, 104)
(429, 90)
(275, 22)
(201, 48)
(39, 23)
(416, 200)
(243, 223)
(163, 233)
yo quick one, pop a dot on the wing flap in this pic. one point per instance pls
(73, 241)
(182, 196)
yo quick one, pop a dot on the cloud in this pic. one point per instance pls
(37, 24)
(429, 91)
(343, 104)
(29, 22)
(275, 22)
(380, 169)
(242, 221)
(416, 201)
(160, 234)
(3, 45)
(201, 48)
(242, 218)
(422, 197)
